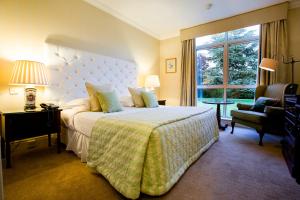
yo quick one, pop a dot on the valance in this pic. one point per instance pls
(261, 16)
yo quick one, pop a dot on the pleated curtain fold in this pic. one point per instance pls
(273, 44)
(188, 95)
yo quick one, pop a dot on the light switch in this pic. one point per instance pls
(15, 90)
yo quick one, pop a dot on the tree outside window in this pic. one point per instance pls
(227, 66)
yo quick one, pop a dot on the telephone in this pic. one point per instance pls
(49, 106)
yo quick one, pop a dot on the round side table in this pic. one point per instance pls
(219, 103)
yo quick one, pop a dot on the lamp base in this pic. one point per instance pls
(30, 94)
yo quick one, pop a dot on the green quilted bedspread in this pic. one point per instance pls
(148, 151)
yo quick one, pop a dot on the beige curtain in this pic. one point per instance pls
(273, 44)
(188, 95)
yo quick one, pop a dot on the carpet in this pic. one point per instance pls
(233, 168)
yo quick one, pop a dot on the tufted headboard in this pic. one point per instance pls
(69, 69)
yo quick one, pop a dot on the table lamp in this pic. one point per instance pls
(268, 64)
(151, 82)
(30, 74)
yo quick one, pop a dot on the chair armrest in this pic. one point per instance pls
(242, 106)
(274, 111)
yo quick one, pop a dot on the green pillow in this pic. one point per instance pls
(109, 101)
(150, 99)
(262, 102)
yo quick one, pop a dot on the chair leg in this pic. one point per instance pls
(232, 126)
(261, 135)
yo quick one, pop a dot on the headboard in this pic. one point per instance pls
(69, 69)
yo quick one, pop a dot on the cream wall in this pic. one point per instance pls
(27, 25)
(294, 40)
(170, 82)
(170, 87)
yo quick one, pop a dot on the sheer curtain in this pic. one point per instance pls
(273, 44)
(188, 95)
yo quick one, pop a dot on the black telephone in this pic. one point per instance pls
(49, 106)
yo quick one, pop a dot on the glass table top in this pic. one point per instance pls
(218, 101)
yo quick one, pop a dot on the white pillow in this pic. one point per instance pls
(126, 101)
(80, 102)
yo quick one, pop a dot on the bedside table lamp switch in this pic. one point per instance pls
(30, 74)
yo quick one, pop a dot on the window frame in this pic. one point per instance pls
(225, 45)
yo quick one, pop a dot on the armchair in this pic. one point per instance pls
(272, 118)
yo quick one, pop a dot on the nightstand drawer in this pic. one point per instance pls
(30, 125)
(162, 102)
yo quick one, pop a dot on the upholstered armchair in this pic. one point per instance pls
(271, 119)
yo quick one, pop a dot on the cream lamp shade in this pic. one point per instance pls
(268, 64)
(152, 81)
(27, 72)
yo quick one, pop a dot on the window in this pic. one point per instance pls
(227, 66)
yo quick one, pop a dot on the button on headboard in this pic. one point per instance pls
(69, 69)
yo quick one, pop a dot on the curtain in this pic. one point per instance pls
(273, 44)
(188, 95)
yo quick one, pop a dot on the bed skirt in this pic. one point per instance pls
(78, 143)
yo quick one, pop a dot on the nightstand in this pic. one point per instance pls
(162, 102)
(19, 125)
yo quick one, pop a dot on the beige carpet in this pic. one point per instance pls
(233, 168)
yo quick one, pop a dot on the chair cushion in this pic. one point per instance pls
(247, 115)
(262, 102)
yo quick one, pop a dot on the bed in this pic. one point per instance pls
(153, 152)
(138, 149)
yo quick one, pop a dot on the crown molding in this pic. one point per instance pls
(294, 4)
(118, 15)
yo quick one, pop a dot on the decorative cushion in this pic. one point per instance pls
(137, 98)
(126, 101)
(150, 99)
(250, 116)
(109, 101)
(92, 90)
(262, 102)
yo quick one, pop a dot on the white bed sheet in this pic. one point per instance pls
(79, 125)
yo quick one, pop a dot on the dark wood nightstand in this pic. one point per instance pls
(162, 102)
(19, 125)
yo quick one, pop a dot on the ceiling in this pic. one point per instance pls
(164, 18)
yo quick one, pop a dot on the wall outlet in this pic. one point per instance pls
(15, 90)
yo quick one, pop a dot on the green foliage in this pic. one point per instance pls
(243, 61)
